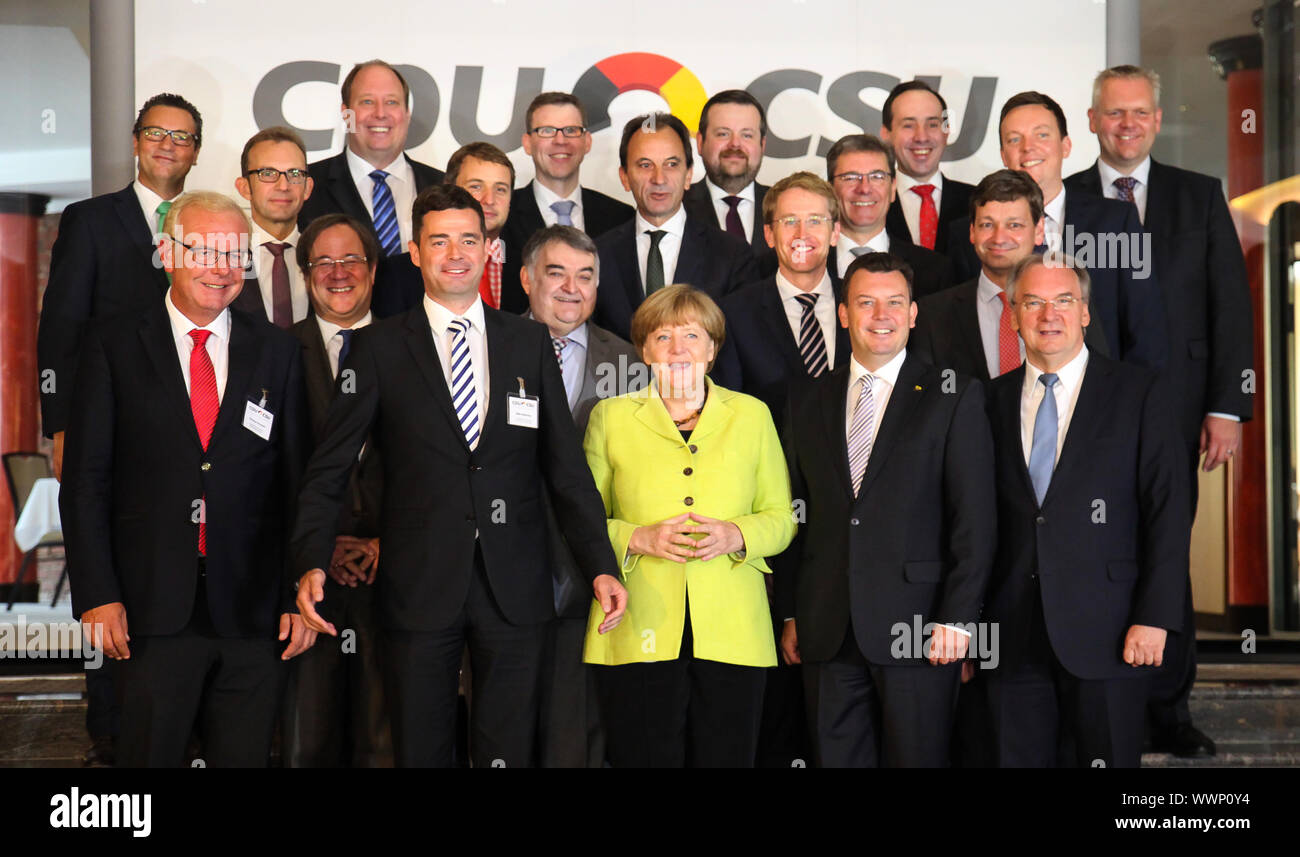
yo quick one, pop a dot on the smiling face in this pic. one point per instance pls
(561, 287)
(164, 165)
(802, 248)
(919, 133)
(679, 355)
(341, 293)
(1032, 142)
(200, 291)
(1126, 121)
(1052, 336)
(863, 204)
(879, 313)
(488, 183)
(450, 255)
(1002, 234)
(556, 159)
(732, 148)
(656, 173)
(379, 118)
(275, 205)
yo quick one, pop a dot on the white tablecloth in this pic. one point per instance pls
(40, 515)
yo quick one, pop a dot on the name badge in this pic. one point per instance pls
(258, 420)
(522, 409)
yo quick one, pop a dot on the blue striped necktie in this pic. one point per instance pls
(464, 396)
(385, 215)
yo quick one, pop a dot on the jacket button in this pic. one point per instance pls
(687, 472)
(689, 501)
(1040, 520)
(469, 517)
(1033, 576)
(475, 468)
(853, 521)
(693, 448)
(205, 466)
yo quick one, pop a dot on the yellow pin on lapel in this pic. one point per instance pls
(917, 387)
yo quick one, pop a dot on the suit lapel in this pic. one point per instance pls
(834, 394)
(778, 326)
(156, 335)
(1087, 419)
(500, 350)
(316, 371)
(419, 340)
(906, 393)
(1008, 412)
(345, 190)
(245, 351)
(690, 260)
(530, 215)
(630, 270)
(1159, 201)
(756, 239)
(654, 415)
(968, 327)
(140, 230)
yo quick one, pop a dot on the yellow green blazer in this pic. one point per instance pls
(732, 469)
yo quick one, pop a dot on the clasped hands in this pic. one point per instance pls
(674, 539)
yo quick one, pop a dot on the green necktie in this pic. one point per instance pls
(654, 264)
(161, 213)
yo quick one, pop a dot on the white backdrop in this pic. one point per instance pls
(217, 52)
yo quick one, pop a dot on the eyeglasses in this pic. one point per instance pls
(154, 134)
(812, 221)
(876, 177)
(325, 265)
(1062, 304)
(549, 131)
(270, 175)
(209, 258)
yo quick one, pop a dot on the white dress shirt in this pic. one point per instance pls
(844, 256)
(1141, 172)
(1054, 220)
(149, 202)
(989, 308)
(745, 209)
(670, 245)
(329, 334)
(546, 197)
(218, 344)
(882, 386)
(263, 259)
(823, 310)
(401, 184)
(911, 202)
(1069, 378)
(439, 318)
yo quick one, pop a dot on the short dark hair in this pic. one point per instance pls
(274, 134)
(877, 263)
(547, 99)
(170, 99)
(1007, 186)
(443, 197)
(357, 69)
(887, 111)
(856, 143)
(734, 96)
(1024, 99)
(570, 235)
(307, 241)
(479, 151)
(652, 121)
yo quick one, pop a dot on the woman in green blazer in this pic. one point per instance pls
(697, 493)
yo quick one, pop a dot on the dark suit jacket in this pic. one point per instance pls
(710, 260)
(438, 494)
(919, 538)
(134, 470)
(931, 271)
(954, 204)
(608, 358)
(360, 514)
(1128, 308)
(600, 213)
(1109, 547)
(760, 355)
(947, 332)
(1206, 297)
(103, 264)
(700, 205)
(334, 190)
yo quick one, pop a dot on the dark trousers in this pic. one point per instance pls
(423, 675)
(1043, 716)
(1170, 686)
(865, 715)
(102, 716)
(683, 712)
(335, 713)
(229, 686)
(570, 731)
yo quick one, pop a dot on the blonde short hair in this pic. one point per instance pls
(207, 200)
(1126, 72)
(803, 181)
(679, 304)
(1050, 259)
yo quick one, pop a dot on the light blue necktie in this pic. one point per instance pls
(563, 212)
(385, 215)
(464, 396)
(1042, 454)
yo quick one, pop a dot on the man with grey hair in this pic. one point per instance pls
(1093, 534)
(185, 446)
(560, 274)
(1199, 264)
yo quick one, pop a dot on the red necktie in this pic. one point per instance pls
(203, 403)
(929, 215)
(281, 301)
(489, 285)
(1008, 341)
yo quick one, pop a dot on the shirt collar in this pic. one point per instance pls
(906, 182)
(718, 194)
(181, 325)
(1056, 208)
(887, 373)
(675, 225)
(1068, 376)
(399, 168)
(545, 196)
(1109, 173)
(261, 236)
(440, 316)
(328, 328)
(987, 291)
(578, 334)
(789, 291)
(149, 202)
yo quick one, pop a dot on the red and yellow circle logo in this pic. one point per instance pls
(621, 73)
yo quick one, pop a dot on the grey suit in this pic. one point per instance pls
(570, 730)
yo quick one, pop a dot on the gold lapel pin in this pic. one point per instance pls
(917, 387)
